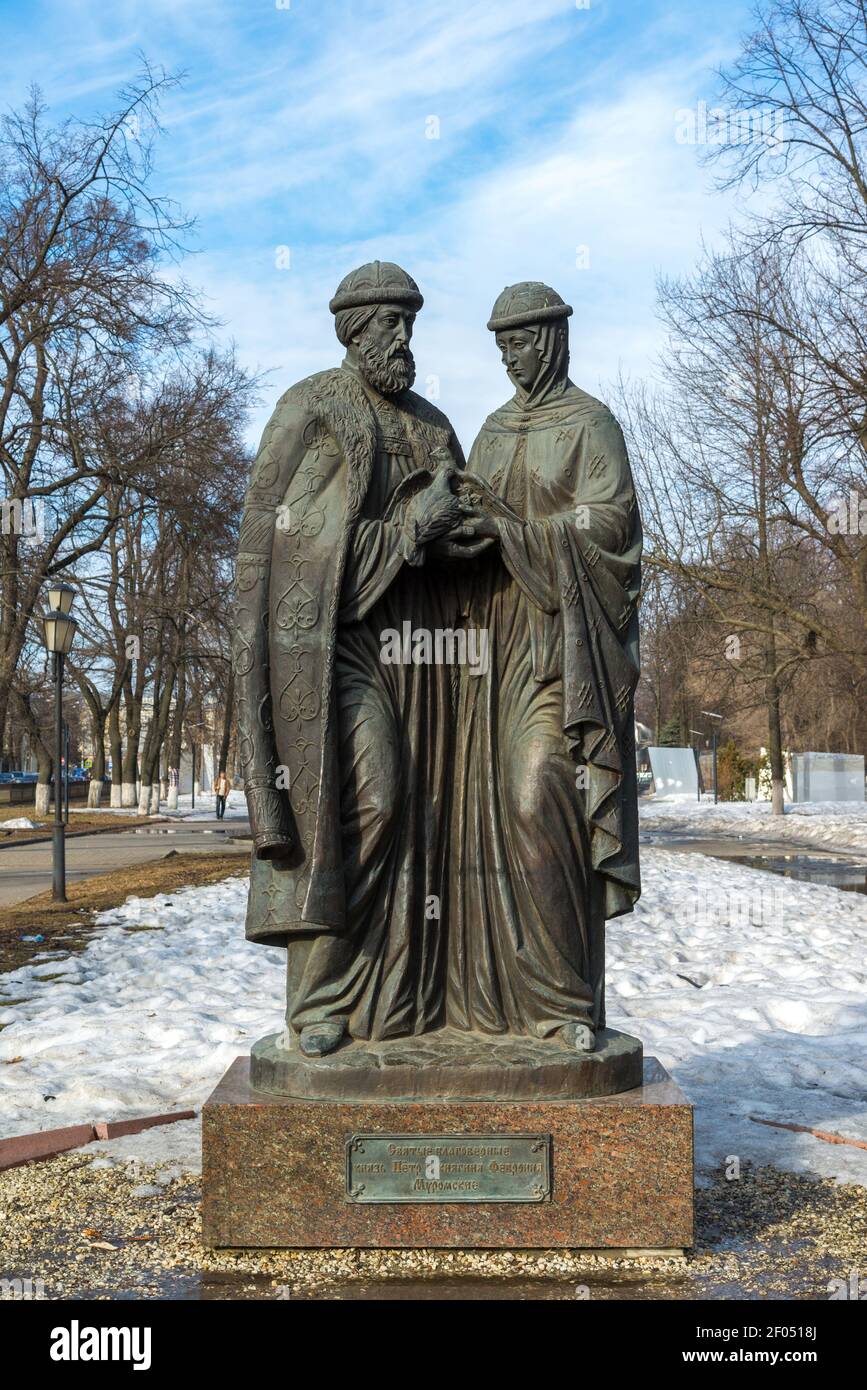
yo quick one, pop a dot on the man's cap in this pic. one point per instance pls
(378, 282)
(526, 303)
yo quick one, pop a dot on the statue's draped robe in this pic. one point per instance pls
(345, 755)
(544, 829)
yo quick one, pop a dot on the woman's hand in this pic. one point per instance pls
(475, 533)
(479, 524)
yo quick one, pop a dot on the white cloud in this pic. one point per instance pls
(614, 180)
(305, 127)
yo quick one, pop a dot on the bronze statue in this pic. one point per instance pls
(544, 844)
(438, 846)
(346, 758)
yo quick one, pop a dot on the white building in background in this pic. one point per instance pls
(814, 777)
(826, 776)
(207, 733)
(206, 768)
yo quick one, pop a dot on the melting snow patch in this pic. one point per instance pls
(750, 989)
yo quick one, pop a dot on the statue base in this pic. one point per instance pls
(610, 1172)
(449, 1065)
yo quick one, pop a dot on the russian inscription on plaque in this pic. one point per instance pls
(448, 1167)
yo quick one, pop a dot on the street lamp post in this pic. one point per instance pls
(710, 715)
(59, 630)
(65, 773)
(699, 733)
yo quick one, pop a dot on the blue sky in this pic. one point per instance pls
(308, 125)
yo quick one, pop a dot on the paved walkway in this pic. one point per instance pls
(26, 870)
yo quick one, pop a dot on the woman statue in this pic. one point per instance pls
(544, 843)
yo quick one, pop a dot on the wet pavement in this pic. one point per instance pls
(26, 870)
(844, 870)
(830, 870)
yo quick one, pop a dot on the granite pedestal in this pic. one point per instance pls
(606, 1172)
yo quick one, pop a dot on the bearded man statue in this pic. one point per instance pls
(545, 832)
(345, 757)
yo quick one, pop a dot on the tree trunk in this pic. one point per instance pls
(176, 738)
(7, 760)
(775, 737)
(116, 747)
(129, 787)
(97, 771)
(43, 755)
(150, 767)
(133, 703)
(43, 783)
(97, 774)
(4, 709)
(227, 722)
(155, 739)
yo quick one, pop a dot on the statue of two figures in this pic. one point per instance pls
(436, 662)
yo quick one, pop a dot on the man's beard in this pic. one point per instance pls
(389, 371)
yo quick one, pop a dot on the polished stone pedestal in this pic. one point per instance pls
(619, 1172)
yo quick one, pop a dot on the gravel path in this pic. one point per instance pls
(75, 1226)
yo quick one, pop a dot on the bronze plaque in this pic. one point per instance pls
(448, 1167)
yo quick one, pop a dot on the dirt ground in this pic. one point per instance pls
(73, 920)
(78, 820)
(129, 1231)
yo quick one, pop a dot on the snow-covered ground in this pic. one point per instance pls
(145, 1019)
(834, 825)
(750, 988)
(205, 808)
(18, 823)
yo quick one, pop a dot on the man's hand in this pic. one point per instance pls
(447, 548)
(436, 510)
(475, 533)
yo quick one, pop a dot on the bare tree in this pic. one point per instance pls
(721, 456)
(83, 301)
(805, 64)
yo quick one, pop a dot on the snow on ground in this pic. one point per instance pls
(833, 825)
(205, 808)
(18, 823)
(141, 1021)
(750, 988)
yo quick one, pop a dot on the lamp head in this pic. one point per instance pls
(60, 598)
(59, 632)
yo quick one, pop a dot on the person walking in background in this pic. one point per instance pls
(222, 787)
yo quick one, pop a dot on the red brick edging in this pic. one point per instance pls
(46, 1143)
